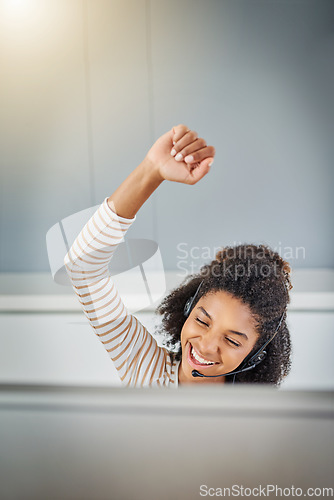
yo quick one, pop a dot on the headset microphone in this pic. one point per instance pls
(195, 373)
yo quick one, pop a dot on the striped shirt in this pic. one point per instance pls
(135, 353)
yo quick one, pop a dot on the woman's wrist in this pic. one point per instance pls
(151, 171)
(135, 190)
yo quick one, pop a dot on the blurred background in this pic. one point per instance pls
(87, 86)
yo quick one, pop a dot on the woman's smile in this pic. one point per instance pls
(196, 360)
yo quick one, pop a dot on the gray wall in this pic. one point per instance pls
(86, 86)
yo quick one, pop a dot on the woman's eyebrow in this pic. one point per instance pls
(205, 312)
(232, 331)
(239, 333)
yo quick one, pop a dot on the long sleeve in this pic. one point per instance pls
(134, 352)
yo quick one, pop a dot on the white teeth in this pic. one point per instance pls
(199, 358)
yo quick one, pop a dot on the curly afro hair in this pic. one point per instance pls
(258, 277)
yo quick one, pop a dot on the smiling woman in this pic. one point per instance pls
(220, 323)
(237, 323)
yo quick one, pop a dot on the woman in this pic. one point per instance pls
(225, 324)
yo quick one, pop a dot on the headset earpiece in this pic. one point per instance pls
(190, 301)
(256, 359)
(187, 307)
(260, 355)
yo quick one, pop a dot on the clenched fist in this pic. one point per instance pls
(180, 156)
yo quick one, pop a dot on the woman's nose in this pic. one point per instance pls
(209, 343)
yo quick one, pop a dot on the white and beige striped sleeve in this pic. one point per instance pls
(134, 352)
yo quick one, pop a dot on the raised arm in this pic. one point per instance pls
(133, 350)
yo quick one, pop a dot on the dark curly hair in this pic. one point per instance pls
(258, 277)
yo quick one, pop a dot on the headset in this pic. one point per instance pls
(251, 361)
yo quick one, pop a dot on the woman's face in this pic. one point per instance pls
(218, 334)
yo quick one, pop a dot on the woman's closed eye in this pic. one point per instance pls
(233, 342)
(201, 322)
